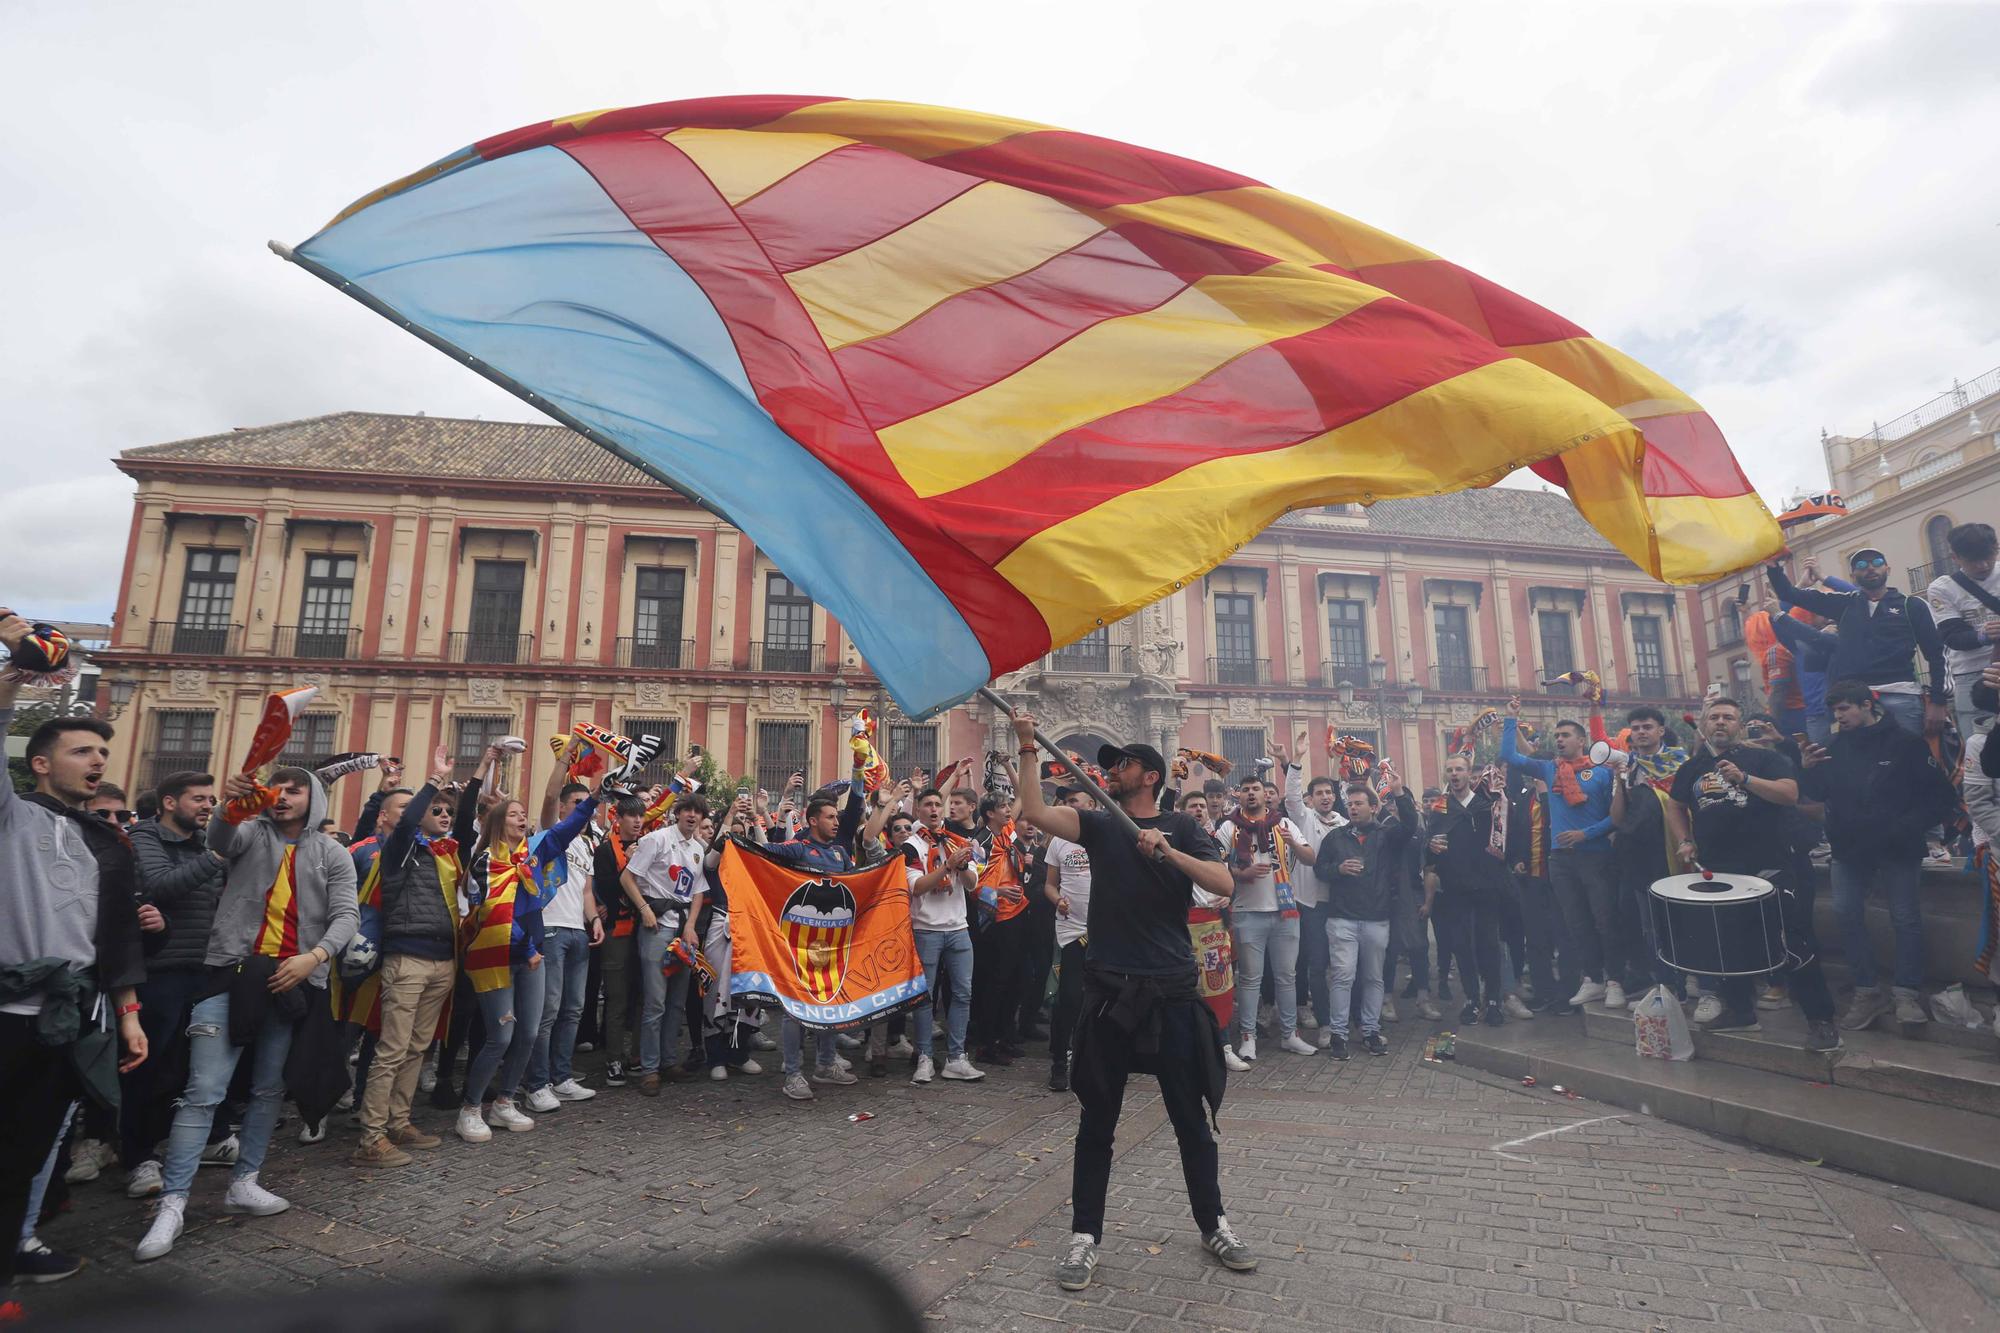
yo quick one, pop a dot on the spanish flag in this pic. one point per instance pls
(834, 950)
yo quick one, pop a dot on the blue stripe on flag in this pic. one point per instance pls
(526, 264)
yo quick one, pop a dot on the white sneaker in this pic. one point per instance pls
(224, 1153)
(1426, 1010)
(472, 1126)
(1708, 1008)
(1324, 1040)
(1951, 1006)
(544, 1100)
(346, 1102)
(760, 1042)
(247, 1196)
(313, 1131)
(1298, 1045)
(1515, 1007)
(572, 1091)
(1246, 1049)
(797, 1088)
(902, 1050)
(1590, 992)
(88, 1159)
(961, 1070)
(509, 1116)
(718, 1074)
(1614, 995)
(427, 1081)
(1637, 1000)
(1939, 857)
(843, 1064)
(925, 1070)
(847, 1041)
(839, 1077)
(144, 1180)
(749, 1067)
(1234, 1062)
(165, 1230)
(1389, 1010)
(1309, 1019)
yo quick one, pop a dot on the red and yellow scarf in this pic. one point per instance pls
(278, 937)
(363, 1005)
(489, 961)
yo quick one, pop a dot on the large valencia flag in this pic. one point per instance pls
(981, 385)
(834, 949)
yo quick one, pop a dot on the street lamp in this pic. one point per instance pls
(838, 693)
(121, 691)
(1412, 698)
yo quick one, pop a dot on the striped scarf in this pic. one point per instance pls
(627, 922)
(489, 959)
(278, 937)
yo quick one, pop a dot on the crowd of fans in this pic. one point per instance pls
(169, 978)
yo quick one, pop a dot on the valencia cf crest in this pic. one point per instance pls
(1584, 774)
(819, 927)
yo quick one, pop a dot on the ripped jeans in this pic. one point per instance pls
(511, 1016)
(211, 1064)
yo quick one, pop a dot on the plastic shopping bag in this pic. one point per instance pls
(1660, 1029)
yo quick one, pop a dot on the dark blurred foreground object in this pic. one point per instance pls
(777, 1287)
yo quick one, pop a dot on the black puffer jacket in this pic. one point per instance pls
(178, 876)
(1883, 790)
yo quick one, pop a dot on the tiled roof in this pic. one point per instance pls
(382, 443)
(409, 446)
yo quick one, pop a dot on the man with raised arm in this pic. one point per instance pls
(1142, 1012)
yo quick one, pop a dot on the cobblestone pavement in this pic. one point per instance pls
(1380, 1194)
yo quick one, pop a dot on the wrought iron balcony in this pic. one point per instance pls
(195, 638)
(325, 643)
(498, 649)
(656, 654)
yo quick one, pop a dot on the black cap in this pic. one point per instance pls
(1064, 793)
(1109, 756)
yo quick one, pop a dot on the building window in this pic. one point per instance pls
(1558, 650)
(656, 618)
(781, 752)
(1732, 622)
(470, 735)
(788, 626)
(311, 741)
(1937, 536)
(667, 761)
(208, 596)
(328, 607)
(1454, 647)
(183, 740)
(1092, 652)
(495, 632)
(1235, 638)
(1243, 747)
(1649, 657)
(912, 745)
(1347, 641)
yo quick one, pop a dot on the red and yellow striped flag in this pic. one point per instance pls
(983, 385)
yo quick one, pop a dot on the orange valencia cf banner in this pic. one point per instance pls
(834, 949)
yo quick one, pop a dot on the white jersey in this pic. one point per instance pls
(1073, 863)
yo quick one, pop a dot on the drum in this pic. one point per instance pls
(1729, 926)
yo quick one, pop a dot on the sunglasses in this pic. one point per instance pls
(1868, 562)
(116, 816)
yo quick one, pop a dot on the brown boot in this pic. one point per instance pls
(380, 1152)
(409, 1136)
(649, 1085)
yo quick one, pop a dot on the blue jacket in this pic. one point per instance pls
(1593, 817)
(1878, 646)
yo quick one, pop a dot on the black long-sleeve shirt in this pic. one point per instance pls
(1877, 637)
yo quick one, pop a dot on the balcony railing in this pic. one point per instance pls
(321, 643)
(1332, 675)
(1092, 659)
(1549, 685)
(479, 646)
(1239, 670)
(1921, 575)
(803, 659)
(195, 639)
(1459, 679)
(1930, 467)
(656, 654)
(1657, 687)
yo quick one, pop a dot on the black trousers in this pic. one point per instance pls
(1468, 926)
(1180, 1090)
(1037, 958)
(996, 979)
(1551, 961)
(36, 1087)
(146, 1095)
(1069, 999)
(1807, 983)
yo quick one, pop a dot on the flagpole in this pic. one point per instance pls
(1116, 811)
(470, 362)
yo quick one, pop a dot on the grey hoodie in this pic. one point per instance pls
(323, 880)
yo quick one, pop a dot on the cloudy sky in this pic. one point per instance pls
(1787, 209)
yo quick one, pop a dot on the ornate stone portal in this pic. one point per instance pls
(1143, 704)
